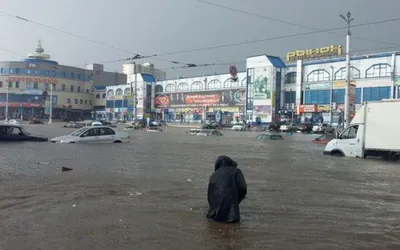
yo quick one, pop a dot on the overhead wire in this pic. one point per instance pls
(286, 22)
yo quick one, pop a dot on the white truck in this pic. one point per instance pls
(373, 132)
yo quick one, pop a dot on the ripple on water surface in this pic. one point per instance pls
(151, 193)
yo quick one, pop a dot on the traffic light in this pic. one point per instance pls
(44, 94)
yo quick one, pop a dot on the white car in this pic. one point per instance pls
(238, 126)
(96, 124)
(286, 127)
(15, 121)
(93, 134)
(323, 128)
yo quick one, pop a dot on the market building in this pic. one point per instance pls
(27, 85)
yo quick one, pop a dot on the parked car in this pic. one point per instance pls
(209, 132)
(154, 128)
(274, 126)
(288, 127)
(18, 133)
(35, 121)
(323, 128)
(324, 139)
(305, 128)
(96, 124)
(93, 134)
(212, 125)
(108, 124)
(74, 125)
(269, 137)
(238, 126)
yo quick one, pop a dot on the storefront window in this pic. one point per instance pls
(318, 75)
(183, 86)
(214, 84)
(290, 78)
(341, 73)
(197, 86)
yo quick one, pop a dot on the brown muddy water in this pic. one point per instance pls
(151, 194)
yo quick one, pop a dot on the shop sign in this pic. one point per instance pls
(306, 109)
(233, 97)
(32, 66)
(32, 79)
(262, 109)
(224, 109)
(323, 108)
(333, 50)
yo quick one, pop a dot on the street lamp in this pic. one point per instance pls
(51, 104)
(348, 20)
(135, 96)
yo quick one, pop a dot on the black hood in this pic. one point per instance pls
(224, 160)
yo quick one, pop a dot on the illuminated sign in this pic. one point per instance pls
(32, 79)
(32, 66)
(315, 53)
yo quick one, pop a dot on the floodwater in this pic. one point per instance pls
(151, 194)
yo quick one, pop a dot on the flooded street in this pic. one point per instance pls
(151, 194)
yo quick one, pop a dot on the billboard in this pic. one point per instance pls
(262, 83)
(232, 97)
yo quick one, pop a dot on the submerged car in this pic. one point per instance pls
(74, 125)
(269, 137)
(154, 129)
(193, 131)
(238, 126)
(324, 139)
(323, 128)
(18, 133)
(209, 132)
(93, 134)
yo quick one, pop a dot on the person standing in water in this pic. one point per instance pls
(226, 189)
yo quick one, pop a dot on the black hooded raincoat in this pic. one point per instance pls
(226, 189)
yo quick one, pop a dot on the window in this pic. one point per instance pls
(78, 76)
(72, 75)
(1, 84)
(183, 86)
(170, 88)
(11, 71)
(36, 72)
(54, 87)
(17, 71)
(342, 75)
(85, 102)
(35, 85)
(63, 87)
(317, 97)
(46, 86)
(338, 96)
(290, 77)
(290, 97)
(196, 86)
(10, 85)
(71, 88)
(106, 131)
(158, 89)
(76, 101)
(53, 73)
(214, 84)
(79, 88)
(350, 133)
(81, 101)
(16, 85)
(63, 74)
(230, 83)
(118, 92)
(28, 72)
(127, 91)
(104, 95)
(46, 72)
(358, 95)
(90, 102)
(28, 85)
(110, 92)
(378, 70)
(97, 96)
(87, 91)
(91, 132)
(69, 100)
(318, 75)
(376, 93)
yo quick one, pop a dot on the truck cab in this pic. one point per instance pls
(348, 143)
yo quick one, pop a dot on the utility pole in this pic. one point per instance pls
(331, 95)
(51, 104)
(8, 92)
(135, 93)
(348, 20)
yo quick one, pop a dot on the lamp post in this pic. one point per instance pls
(348, 20)
(135, 94)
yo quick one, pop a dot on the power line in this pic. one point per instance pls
(12, 52)
(135, 55)
(204, 65)
(286, 22)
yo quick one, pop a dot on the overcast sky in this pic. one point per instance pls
(150, 27)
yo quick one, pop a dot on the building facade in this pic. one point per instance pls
(120, 100)
(27, 85)
(215, 97)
